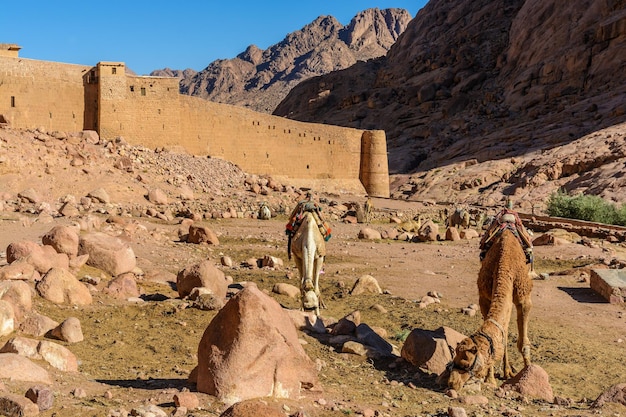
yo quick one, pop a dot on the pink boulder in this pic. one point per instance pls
(203, 274)
(251, 350)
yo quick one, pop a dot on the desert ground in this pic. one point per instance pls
(141, 352)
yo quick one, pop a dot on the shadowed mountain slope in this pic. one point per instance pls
(481, 80)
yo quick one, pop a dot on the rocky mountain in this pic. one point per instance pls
(484, 80)
(260, 79)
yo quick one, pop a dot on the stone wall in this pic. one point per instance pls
(149, 111)
(46, 94)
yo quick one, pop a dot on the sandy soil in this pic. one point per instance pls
(138, 353)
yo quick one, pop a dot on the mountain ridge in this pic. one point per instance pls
(260, 79)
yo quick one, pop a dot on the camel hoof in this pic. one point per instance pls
(491, 382)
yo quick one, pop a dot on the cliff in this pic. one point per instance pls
(481, 80)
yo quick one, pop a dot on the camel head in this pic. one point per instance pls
(310, 300)
(468, 362)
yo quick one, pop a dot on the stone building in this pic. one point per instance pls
(149, 111)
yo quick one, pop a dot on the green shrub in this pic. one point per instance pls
(585, 207)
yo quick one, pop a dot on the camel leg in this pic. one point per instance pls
(490, 379)
(299, 265)
(506, 364)
(523, 342)
(318, 264)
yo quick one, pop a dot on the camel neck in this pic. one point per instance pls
(494, 334)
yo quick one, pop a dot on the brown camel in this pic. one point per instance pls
(309, 248)
(503, 280)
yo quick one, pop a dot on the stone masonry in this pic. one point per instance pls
(149, 111)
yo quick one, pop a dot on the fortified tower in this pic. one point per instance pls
(374, 172)
(143, 110)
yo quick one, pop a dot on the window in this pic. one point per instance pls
(143, 91)
(132, 88)
(12, 101)
(113, 70)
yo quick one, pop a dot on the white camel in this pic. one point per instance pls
(309, 249)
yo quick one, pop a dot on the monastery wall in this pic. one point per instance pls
(46, 94)
(149, 111)
(264, 144)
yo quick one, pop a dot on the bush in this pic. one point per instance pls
(585, 207)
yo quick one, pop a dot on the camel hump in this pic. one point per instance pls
(508, 218)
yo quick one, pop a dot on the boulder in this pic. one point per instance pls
(271, 262)
(20, 249)
(46, 258)
(17, 405)
(29, 196)
(157, 196)
(185, 192)
(253, 408)
(19, 295)
(532, 381)
(69, 331)
(366, 284)
(63, 239)
(615, 394)
(468, 234)
(19, 368)
(35, 324)
(202, 234)
(123, 286)
(251, 350)
(61, 286)
(189, 400)
(99, 195)
(42, 396)
(286, 289)
(18, 270)
(431, 350)
(429, 232)
(108, 253)
(58, 356)
(452, 233)
(368, 233)
(22, 346)
(42, 258)
(203, 274)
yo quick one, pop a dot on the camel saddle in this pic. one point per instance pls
(296, 219)
(507, 219)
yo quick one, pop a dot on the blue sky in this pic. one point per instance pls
(150, 35)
